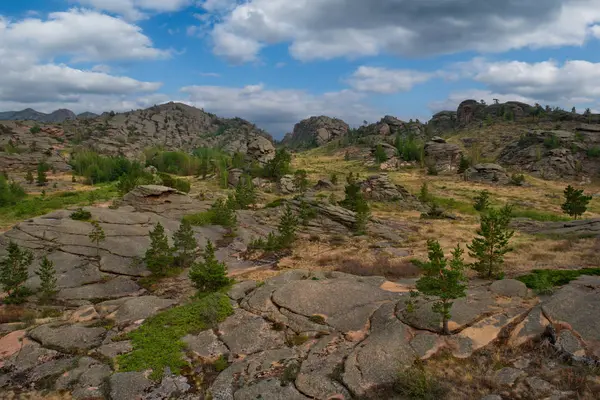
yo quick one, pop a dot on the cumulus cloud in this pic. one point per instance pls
(278, 110)
(136, 9)
(383, 80)
(327, 29)
(82, 34)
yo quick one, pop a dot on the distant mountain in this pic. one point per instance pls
(30, 114)
(87, 115)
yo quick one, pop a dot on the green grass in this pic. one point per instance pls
(157, 343)
(537, 215)
(33, 206)
(200, 219)
(544, 280)
(457, 205)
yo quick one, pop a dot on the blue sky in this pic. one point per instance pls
(275, 62)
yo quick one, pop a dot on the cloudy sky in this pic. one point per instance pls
(275, 62)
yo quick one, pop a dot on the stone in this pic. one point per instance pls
(44, 376)
(241, 289)
(324, 184)
(572, 229)
(316, 131)
(286, 184)
(539, 386)
(128, 386)
(138, 308)
(245, 333)
(488, 173)
(533, 326)
(507, 376)
(84, 314)
(569, 342)
(509, 288)
(31, 354)
(270, 389)
(380, 188)
(171, 387)
(577, 305)
(111, 350)
(68, 338)
(234, 175)
(205, 344)
(112, 289)
(426, 345)
(444, 157)
(492, 397)
(11, 344)
(92, 383)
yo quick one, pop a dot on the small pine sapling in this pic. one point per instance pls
(209, 275)
(47, 275)
(575, 202)
(14, 272)
(185, 244)
(97, 235)
(482, 201)
(159, 256)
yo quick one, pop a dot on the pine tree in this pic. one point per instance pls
(29, 177)
(482, 201)
(424, 195)
(380, 155)
(444, 280)
(464, 164)
(42, 179)
(13, 271)
(97, 235)
(363, 214)
(185, 243)
(159, 257)
(47, 274)
(245, 193)
(334, 178)
(575, 202)
(492, 244)
(353, 193)
(210, 275)
(279, 165)
(288, 224)
(301, 180)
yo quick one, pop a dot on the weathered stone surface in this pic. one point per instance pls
(31, 354)
(426, 344)
(240, 290)
(380, 188)
(205, 344)
(577, 305)
(286, 184)
(112, 350)
(128, 386)
(171, 387)
(316, 131)
(539, 386)
(112, 289)
(246, 333)
(68, 338)
(509, 288)
(92, 383)
(84, 313)
(507, 376)
(569, 342)
(11, 344)
(489, 173)
(578, 228)
(445, 157)
(531, 327)
(271, 389)
(375, 362)
(137, 308)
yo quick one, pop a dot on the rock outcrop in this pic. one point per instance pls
(381, 188)
(578, 228)
(488, 173)
(443, 156)
(390, 126)
(316, 131)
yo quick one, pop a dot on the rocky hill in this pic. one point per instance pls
(314, 132)
(32, 115)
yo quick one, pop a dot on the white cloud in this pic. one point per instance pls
(327, 29)
(136, 9)
(383, 80)
(83, 34)
(101, 68)
(278, 110)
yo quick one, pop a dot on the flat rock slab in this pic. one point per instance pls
(68, 338)
(271, 389)
(577, 305)
(137, 308)
(246, 333)
(531, 327)
(112, 289)
(128, 385)
(344, 304)
(11, 344)
(509, 288)
(206, 344)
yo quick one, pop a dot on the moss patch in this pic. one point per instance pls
(543, 280)
(157, 343)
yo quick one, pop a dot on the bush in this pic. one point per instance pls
(245, 193)
(432, 170)
(183, 185)
(552, 142)
(278, 166)
(185, 244)
(97, 168)
(415, 383)
(301, 180)
(380, 155)
(130, 180)
(464, 164)
(517, 179)
(47, 275)
(424, 195)
(35, 129)
(288, 225)
(353, 193)
(10, 192)
(173, 162)
(545, 280)
(81, 215)
(210, 275)
(594, 152)
(408, 148)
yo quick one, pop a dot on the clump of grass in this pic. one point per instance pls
(157, 343)
(449, 203)
(221, 364)
(415, 383)
(536, 215)
(545, 280)
(81, 215)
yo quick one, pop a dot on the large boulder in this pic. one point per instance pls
(445, 157)
(260, 150)
(381, 188)
(488, 173)
(316, 131)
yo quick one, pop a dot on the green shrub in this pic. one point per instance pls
(432, 170)
(183, 185)
(173, 162)
(97, 168)
(353, 193)
(517, 179)
(409, 149)
(35, 129)
(185, 244)
(380, 155)
(300, 180)
(47, 274)
(288, 225)
(594, 152)
(482, 201)
(279, 166)
(575, 202)
(14, 273)
(11, 193)
(159, 257)
(416, 384)
(545, 280)
(81, 215)
(424, 195)
(245, 193)
(464, 164)
(552, 142)
(157, 342)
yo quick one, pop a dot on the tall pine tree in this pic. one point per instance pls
(185, 244)
(14, 272)
(209, 275)
(159, 257)
(47, 274)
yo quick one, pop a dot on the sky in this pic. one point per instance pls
(275, 62)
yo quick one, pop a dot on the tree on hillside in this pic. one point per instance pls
(279, 166)
(301, 180)
(41, 176)
(14, 272)
(210, 275)
(573, 110)
(380, 155)
(185, 243)
(482, 201)
(288, 225)
(443, 279)
(492, 244)
(29, 177)
(575, 202)
(97, 235)
(159, 256)
(47, 275)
